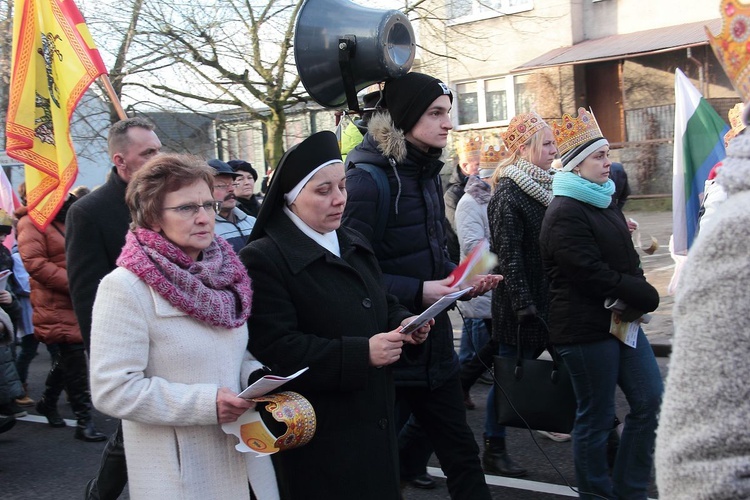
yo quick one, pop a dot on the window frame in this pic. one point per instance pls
(510, 96)
(478, 14)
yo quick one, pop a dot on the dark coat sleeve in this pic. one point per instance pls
(86, 266)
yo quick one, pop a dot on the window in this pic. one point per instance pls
(492, 100)
(471, 10)
(496, 102)
(468, 109)
(524, 98)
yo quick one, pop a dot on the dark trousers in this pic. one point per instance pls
(112, 476)
(442, 416)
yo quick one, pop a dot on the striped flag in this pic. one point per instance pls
(698, 146)
(54, 62)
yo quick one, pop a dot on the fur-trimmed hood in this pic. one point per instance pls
(391, 140)
(478, 189)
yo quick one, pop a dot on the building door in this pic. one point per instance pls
(604, 96)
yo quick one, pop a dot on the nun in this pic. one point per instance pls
(318, 302)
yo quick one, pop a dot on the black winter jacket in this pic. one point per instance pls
(311, 308)
(589, 256)
(515, 220)
(95, 229)
(412, 250)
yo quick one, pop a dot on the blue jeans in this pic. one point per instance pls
(596, 368)
(491, 427)
(474, 336)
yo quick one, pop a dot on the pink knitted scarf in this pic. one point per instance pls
(215, 289)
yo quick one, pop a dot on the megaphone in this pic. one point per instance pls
(341, 47)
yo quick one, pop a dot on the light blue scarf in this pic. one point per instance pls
(570, 185)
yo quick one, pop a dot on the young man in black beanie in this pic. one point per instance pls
(405, 143)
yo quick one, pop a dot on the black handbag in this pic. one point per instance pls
(534, 393)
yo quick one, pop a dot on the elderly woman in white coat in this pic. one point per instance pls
(168, 342)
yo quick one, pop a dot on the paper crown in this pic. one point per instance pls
(293, 424)
(574, 132)
(469, 150)
(520, 129)
(732, 46)
(492, 155)
(735, 121)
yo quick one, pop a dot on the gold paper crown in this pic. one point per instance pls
(492, 155)
(573, 132)
(520, 129)
(735, 121)
(469, 150)
(732, 46)
(296, 412)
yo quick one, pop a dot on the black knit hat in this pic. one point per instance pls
(244, 166)
(408, 97)
(295, 165)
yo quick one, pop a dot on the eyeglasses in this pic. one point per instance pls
(191, 209)
(226, 186)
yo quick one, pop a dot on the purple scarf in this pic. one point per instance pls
(215, 289)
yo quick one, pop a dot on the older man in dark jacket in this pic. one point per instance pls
(95, 233)
(406, 144)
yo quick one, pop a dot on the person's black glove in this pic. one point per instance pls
(527, 314)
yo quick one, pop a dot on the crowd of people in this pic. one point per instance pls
(165, 292)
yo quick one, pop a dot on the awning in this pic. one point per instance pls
(625, 46)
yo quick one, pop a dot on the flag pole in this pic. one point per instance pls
(104, 79)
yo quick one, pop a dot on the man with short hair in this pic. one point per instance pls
(406, 143)
(232, 224)
(95, 229)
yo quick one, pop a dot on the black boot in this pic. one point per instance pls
(53, 386)
(496, 460)
(77, 385)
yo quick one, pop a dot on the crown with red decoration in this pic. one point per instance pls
(521, 128)
(577, 137)
(732, 44)
(492, 155)
(469, 150)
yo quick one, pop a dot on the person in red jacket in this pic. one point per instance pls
(43, 254)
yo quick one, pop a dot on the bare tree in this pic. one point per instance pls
(209, 56)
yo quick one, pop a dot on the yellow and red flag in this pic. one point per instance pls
(54, 62)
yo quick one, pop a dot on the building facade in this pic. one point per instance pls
(617, 57)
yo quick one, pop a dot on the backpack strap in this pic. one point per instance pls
(384, 197)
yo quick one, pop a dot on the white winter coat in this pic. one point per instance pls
(159, 370)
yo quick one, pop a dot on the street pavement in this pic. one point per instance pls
(38, 462)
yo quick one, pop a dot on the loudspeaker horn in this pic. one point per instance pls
(341, 47)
